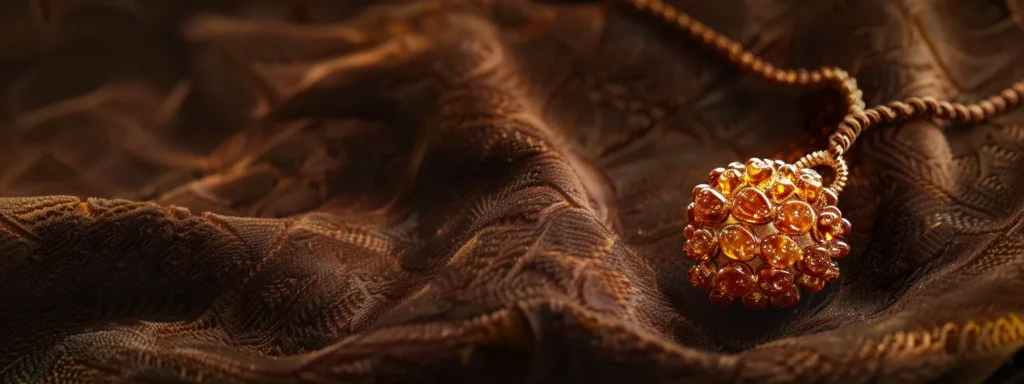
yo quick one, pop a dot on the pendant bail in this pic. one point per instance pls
(828, 159)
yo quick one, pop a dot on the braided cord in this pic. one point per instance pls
(857, 118)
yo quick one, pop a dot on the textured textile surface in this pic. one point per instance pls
(484, 191)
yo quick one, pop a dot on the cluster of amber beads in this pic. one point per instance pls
(761, 230)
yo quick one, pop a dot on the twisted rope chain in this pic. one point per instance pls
(857, 118)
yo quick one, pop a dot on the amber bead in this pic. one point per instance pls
(795, 217)
(827, 219)
(737, 166)
(827, 227)
(759, 171)
(752, 206)
(714, 175)
(703, 242)
(839, 250)
(774, 281)
(816, 261)
(844, 228)
(787, 299)
(782, 189)
(688, 231)
(833, 209)
(737, 243)
(690, 253)
(701, 276)
(831, 272)
(788, 172)
(754, 300)
(735, 280)
(729, 181)
(808, 187)
(689, 213)
(709, 205)
(810, 283)
(720, 299)
(780, 251)
(698, 189)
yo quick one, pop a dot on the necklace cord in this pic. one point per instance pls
(857, 117)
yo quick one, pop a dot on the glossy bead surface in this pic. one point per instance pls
(811, 284)
(734, 280)
(703, 242)
(780, 251)
(737, 243)
(709, 205)
(730, 181)
(808, 187)
(815, 261)
(781, 190)
(795, 217)
(774, 281)
(752, 206)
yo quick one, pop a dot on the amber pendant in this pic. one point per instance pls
(762, 230)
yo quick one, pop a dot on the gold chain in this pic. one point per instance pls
(857, 117)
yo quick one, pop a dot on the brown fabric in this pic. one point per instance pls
(482, 191)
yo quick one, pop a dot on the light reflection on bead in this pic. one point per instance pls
(735, 280)
(782, 189)
(737, 243)
(774, 281)
(795, 217)
(752, 206)
(730, 181)
(808, 187)
(709, 205)
(780, 251)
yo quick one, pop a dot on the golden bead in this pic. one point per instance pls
(808, 187)
(688, 231)
(758, 171)
(735, 280)
(810, 283)
(729, 181)
(752, 206)
(788, 172)
(774, 281)
(839, 250)
(737, 166)
(795, 217)
(703, 242)
(832, 272)
(701, 274)
(782, 189)
(714, 175)
(780, 251)
(737, 243)
(709, 205)
(815, 261)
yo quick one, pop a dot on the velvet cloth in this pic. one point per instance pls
(485, 191)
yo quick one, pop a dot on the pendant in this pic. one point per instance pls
(760, 231)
